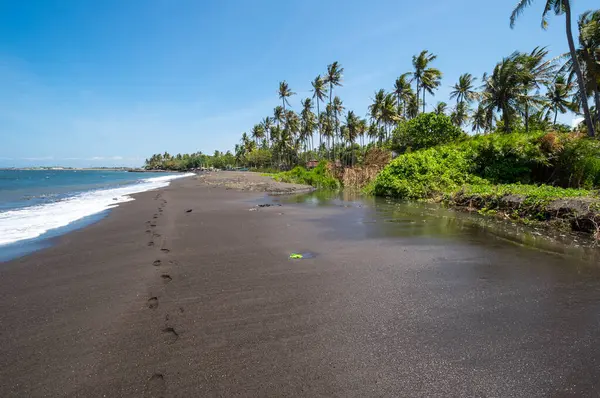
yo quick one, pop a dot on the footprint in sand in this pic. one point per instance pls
(157, 263)
(170, 335)
(153, 303)
(166, 278)
(165, 250)
(156, 235)
(150, 243)
(155, 386)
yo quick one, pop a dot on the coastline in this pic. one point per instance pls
(186, 292)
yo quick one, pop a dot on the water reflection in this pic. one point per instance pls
(370, 217)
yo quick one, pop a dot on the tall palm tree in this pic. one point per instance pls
(278, 115)
(319, 89)
(285, 93)
(501, 91)
(535, 71)
(337, 108)
(334, 77)
(257, 133)
(362, 128)
(460, 114)
(558, 94)
(327, 126)
(423, 72)
(352, 131)
(389, 116)
(562, 7)
(480, 119)
(440, 108)
(308, 121)
(402, 89)
(375, 109)
(431, 81)
(267, 123)
(588, 55)
(464, 89)
(412, 106)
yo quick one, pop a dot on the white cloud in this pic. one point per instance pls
(575, 122)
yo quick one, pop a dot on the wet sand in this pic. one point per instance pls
(156, 300)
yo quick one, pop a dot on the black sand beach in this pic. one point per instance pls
(156, 300)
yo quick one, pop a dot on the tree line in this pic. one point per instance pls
(524, 91)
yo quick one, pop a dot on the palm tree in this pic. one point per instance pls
(285, 93)
(430, 81)
(375, 109)
(267, 123)
(460, 114)
(278, 115)
(257, 132)
(501, 91)
(588, 55)
(308, 121)
(480, 119)
(412, 108)
(420, 64)
(334, 77)
(327, 126)
(440, 108)
(319, 90)
(535, 72)
(558, 94)
(338, 109)
(402, 89)
(389, 115)
(562, 7)
(589, 41)
(352, 131)
(362, 128)
(463, 90)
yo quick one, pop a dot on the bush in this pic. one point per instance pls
(566, 160)
(424, 174)
(319, 177)
(506, 158)
(425, 131)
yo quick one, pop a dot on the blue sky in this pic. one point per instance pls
(90, 83)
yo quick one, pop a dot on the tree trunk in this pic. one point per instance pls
(418, 86)
(555, 115)
(318, 125)
(526, 118)
(423, 99)
(580, 81)
(597, 100)
(506, 118)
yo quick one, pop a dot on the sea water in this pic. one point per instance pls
(38, 204)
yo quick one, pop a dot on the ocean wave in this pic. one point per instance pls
(33, 221)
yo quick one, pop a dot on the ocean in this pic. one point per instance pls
(36, 205)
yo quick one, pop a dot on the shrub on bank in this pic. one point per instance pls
(425, 131)
(559, 159)
(318, 177)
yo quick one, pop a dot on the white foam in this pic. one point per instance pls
(31, 222)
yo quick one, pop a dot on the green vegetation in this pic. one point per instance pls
(318, 177)
(522, 175)
(425, 131)
(524, 163)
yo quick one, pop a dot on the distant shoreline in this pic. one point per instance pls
(129, 169)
